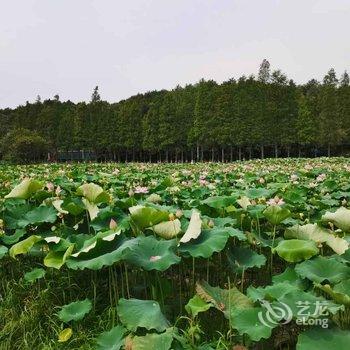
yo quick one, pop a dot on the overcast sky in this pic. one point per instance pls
(67, 47)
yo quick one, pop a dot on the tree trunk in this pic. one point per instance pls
(197, 153)
(192, 155)
(222, 155)
(276, 151)
(239, 153)
(167, 156)
(212, 154)
(329, 150)
(288, 151)
(231, 153)
(262, 151)
(250, 152)
(202, 155)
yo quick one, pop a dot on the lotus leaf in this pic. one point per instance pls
(75, 311)
(194, 228)
(25, 189)
(34, 275)
(135, 313)
(323, 269)
(111, 340)
(150, 253)
(295, 250)
(340, 218)
(276, 214)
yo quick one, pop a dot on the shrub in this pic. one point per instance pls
(23, 145)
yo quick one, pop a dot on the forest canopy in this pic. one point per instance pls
(257, 116)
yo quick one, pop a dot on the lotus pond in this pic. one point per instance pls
(246, 255)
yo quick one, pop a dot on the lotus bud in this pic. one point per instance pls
(50, 186)
(344, 202)
(131, 193)
(171, 217)
(179, 213)
(58, 190)
(211, 223)
(112, 224)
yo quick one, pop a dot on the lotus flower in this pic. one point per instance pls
(275, 201)
(141, 189)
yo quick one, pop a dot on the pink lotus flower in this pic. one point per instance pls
(50, 186)
(294, 177)
(275, 201)
(321, 177)
(203, 182)
(141, 189)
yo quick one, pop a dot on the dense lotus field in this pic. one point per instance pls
(247, 255)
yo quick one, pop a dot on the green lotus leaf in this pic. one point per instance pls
(289, 276)
(260, 192)
(135, 313)
(3, 251)
(93, 193)
(196, 305)
(241, 258)
(111, 340)
(194, 228)
(339, 298)
(74, 206)
(297, 298)
(153, 341)
(25, 189)
(65, 335)
(34, 275)
(97, 253)
(225, 300)
(247, 321)
(152, 254)
(232, 232)
(276, 214)
(219, 202)
(168, 229)
(318, 234)
(270, 293)
(24, 246)
(154, 198)
(343, 287)
(75, 311)
(323, 269)
(39, 215)
(15, 210)
(295, 250)
(11, 239)
(206, 244)
(340, 218)
(56, 259)
(318, 338)
(147, 216)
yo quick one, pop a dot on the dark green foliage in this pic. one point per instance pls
(263, 116)
(23, 145)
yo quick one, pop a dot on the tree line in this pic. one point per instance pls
(267, 115)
